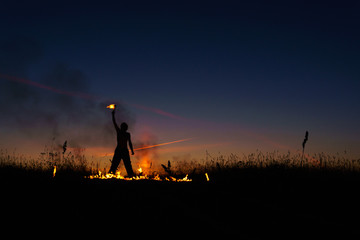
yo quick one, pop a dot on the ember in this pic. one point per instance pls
(207, 177)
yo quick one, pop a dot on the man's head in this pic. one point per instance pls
(124, 127)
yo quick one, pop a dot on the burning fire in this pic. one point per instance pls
(54, 171)
(145, 164)
(111, 106)
(118, 175)
(207, 177)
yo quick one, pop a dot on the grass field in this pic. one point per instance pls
(257, 196)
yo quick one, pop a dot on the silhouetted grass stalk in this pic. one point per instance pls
(75, 163)
(303, 146)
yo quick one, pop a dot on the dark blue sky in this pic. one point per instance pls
(272, 70)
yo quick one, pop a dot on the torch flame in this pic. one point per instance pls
(111, 106)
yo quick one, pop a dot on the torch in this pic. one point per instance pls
(111, 106)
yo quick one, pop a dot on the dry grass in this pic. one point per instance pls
(74, 164)
(67, 163)
(271, 163)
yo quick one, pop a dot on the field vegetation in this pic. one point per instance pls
(255, 196)
(74, 164)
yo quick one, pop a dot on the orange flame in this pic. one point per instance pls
(207, 177)
(111, 106)
(117, 175)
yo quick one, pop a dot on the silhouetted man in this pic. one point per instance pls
(121, 151)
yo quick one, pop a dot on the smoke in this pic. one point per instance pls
(36, 114)
(146, 157)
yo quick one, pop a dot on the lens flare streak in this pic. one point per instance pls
(162, 144)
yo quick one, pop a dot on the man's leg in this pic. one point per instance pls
(115, 163)
(127, 163)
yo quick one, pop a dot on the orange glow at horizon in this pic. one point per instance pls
(108, 151)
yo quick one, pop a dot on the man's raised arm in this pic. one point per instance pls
(114, 121)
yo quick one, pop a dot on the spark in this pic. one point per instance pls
(54, 171)
(207, 177)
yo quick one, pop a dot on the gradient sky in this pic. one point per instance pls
(233, 76)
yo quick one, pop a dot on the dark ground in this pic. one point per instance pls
(249, 205)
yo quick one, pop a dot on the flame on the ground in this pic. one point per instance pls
(207, 177)
(111, 106)
(156, 177)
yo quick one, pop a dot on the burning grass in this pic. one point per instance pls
(270, 194)
(156, 177)
(51, 163)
